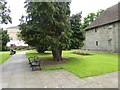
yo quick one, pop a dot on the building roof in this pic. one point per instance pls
(13, 27)
(110, 15)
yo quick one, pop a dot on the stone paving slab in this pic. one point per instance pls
(16, 73)
(109, 80)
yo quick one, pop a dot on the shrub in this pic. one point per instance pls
(83, 52)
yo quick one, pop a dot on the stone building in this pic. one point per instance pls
(103, 34)
(14, 39)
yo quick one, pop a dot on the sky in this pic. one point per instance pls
(86, 6)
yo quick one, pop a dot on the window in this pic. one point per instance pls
(110, 27)
(114, 25)
(109, 41)
(96, 43)
(95, 30)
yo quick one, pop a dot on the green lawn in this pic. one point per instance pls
(4, 56)
(83, 66)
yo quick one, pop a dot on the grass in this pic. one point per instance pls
(4, 56)
(84, 66)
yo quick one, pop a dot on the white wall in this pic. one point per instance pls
(15, 39)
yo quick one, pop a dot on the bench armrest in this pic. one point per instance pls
(34, 59)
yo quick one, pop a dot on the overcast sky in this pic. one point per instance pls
(86, 6)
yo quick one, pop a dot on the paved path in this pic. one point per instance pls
(17, 74)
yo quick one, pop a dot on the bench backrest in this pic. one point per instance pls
(37, 58)
(34, 59)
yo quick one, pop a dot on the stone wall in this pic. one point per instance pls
(105, 36)
(118, 37)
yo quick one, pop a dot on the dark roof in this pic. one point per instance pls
(110, 15)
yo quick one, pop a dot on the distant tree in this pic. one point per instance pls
(33, 35)
(87, 20)
(47, 25)
(90, 18)
(99, 12)
(4, 19)
(77, 31)
(4, 13)
(4, 38)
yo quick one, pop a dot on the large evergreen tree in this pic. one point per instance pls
(47, 25)
(4, 38)
(4, 13)
(77, 31)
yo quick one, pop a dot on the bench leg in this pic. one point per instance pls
(36, 67)
(40, 67)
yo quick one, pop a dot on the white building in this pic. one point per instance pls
(14, 39)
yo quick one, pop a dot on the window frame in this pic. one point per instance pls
(97, 43)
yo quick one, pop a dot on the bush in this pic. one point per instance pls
(83, 52)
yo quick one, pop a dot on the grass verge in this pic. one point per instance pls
(4, 56)
(83, 66)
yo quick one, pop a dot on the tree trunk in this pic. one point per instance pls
(40, 49)
(57, 54)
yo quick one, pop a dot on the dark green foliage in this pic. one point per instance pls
(90, 18)
(0, 39)
(4, 38)
(47, 25)
(78, 27)
(4, 13)
(87, 20)
(99, 12)
(77, 31)
(4, 19)
(41, 49)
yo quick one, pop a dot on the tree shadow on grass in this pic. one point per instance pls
(46, 53)
(49, 61)
(43, 54)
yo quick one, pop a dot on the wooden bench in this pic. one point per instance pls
(34, 63)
